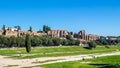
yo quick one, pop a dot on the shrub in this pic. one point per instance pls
(91, 44)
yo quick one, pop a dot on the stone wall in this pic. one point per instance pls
(58, 33)
(53, 33)
(1, 32)
(10, 33)
(83, 36)
(21, 33)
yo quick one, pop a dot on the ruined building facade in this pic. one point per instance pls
(19, 33)
(81, 35)
(86, 37)
(58, 33)
(53, 33)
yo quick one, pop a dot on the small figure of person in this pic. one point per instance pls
(93, 56)
(83, 58)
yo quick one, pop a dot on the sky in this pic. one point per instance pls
(101, 17)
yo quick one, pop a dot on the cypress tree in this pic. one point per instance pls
(28, 43)
(3, 28)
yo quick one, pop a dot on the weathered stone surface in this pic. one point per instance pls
(58, 33)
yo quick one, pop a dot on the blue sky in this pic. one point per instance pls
(101, 17)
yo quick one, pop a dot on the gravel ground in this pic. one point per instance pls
(7, 62)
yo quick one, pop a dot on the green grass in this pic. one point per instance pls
(57, 51)
(64, 54)
(11, 66)
(101, 62)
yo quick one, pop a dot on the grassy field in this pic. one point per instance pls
(56, 51)
(101, 62)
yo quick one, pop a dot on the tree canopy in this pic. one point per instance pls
(46, 28)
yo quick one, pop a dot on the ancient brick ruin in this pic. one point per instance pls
(86, 37)
(53, 33)
(58, 33)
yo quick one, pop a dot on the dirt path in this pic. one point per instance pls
(7, 62)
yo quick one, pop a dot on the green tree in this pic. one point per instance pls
(12, 41)
(64, 41)
(0, 40)
(77, 42)
(30, 29)
(35, 41)
(3, 28)
(39, 31)
(69, 37)
(56, 41)
(19, 28)
(92, 44)
(4, 40)
(22, 44)
(50, 42)
(46, 28)
(18, 41)
(28, 43)
(8, 43)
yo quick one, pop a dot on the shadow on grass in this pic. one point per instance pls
(107, 65)
(89, 48)
(99, 65)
